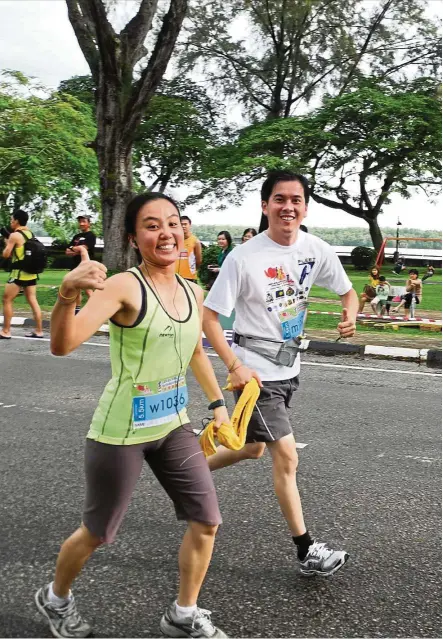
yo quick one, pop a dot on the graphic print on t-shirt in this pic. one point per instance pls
(286, 297)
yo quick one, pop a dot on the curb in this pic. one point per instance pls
(431, 357)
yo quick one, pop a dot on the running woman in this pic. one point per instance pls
(155, 334)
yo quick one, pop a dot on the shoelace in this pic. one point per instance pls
(204, 618)
(320, 550)
(69, 610)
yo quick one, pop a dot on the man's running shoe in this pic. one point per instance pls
(64, 621)
(199, 624)
(322, 560)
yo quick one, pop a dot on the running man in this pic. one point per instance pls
(18, 278)
(155, 334)
(267, 281)
(190, 257)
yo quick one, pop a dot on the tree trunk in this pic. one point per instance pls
(376, 234)
(117, 254)
(115, 169)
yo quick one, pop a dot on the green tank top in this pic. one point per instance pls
(17, 255)
(147, 395)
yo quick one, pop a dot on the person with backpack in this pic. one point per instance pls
(28, 258)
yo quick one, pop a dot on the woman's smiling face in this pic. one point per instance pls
(159, 233)
(222, 241)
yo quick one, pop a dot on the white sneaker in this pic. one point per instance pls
(322, 560)
(199, 624)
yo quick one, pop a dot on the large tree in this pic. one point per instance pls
(275, 57)
(44, 159)
(358, 149)
(125, 79)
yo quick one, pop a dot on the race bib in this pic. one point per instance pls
(292, 320)
(156, 403)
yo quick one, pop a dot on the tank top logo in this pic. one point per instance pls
(168, 331)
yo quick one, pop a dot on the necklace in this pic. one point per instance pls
(145, 268)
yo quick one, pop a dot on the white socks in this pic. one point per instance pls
(57, 601)
(183, 612)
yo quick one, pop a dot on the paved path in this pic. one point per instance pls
(369, 477)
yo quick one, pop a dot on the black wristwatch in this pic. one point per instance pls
(216, 404)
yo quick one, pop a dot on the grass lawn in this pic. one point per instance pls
(431, 291)
(431, 296)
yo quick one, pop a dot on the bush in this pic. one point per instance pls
(210, 254)
(363, 257)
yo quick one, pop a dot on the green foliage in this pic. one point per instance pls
(44, 161)
(363, 257)
(344, 236)
(358, 149)
(210, 254)
(173, 140)
(175, 135)
(81, 87)
(61, 233)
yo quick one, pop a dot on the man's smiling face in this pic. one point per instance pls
(286, 208)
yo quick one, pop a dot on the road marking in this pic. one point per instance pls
(46, 339)
(357, 368)
(371, 368)
(9, 405)
(198, 432)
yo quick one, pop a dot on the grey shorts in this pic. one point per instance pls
(177, 461)
(270, 419)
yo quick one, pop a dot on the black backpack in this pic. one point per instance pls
(36, 257)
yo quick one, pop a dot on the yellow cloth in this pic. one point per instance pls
(232, 435)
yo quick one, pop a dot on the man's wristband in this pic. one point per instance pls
(216, 404)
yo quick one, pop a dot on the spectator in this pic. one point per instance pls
(382, 292)
(429, 272)
(413, 293)
(224, 240)
(85, 238)
(191, 257)
(399, 266)
(248, 234)
(369, 290)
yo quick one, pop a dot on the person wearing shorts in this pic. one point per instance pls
(190, 258)
(267, 281)
(19, 279)
(155, 334)
(85, 238)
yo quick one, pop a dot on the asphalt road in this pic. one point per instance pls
(369, 477)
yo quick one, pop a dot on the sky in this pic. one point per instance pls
(36, 38)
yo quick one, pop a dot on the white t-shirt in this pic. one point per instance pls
(266, 283)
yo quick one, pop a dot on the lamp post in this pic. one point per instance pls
(396, 254)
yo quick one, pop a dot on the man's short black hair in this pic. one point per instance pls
(136, 204)
(21, 216)
(185, 217)
(283, 176)
(413, 271)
